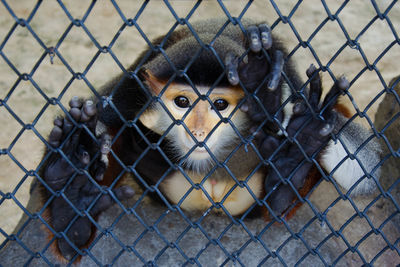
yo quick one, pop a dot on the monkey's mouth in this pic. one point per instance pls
(197, 150)
(200, 150)
(197, 153)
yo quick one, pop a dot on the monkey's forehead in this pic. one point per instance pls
(204, 65)
(223, 91)
(175, 88)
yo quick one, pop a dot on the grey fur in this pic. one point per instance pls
(352, 136)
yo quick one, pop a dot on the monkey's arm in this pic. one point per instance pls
(309, 132)
(72, 172)
(353, 158)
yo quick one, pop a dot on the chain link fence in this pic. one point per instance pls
(40, 73)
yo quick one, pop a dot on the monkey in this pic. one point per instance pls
(202, 122)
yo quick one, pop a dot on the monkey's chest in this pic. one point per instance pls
(200, 196)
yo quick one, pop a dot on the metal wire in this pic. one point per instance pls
(233, 256)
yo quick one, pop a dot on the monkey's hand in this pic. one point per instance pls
(68, 173)
(309, 132)
(260, 75)
(258, 67)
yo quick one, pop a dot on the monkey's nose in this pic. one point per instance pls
(199, 134)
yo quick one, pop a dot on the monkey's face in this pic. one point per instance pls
(203, 129)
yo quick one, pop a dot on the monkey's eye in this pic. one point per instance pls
(221, 104)
(182, 101)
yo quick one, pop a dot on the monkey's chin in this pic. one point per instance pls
(200, 154)
(199, 161)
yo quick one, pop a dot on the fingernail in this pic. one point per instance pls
(272, 85)
(297, 108)
(327, 129)
(100, 177)
(105, 149)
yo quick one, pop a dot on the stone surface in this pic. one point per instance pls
(309, 235)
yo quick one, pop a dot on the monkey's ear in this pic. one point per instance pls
(155, 85)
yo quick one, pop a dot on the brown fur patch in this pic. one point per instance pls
(312, 179)
(343, 109)
(50, 236)
(155, 84)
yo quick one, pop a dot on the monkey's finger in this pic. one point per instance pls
(65, 123)
(257, 116)
(102, 164)
(71, 144)
(326, 130)
(329, 126)
(75, 102)
(333, 95)
(77, 186)
(276, 72)
(299, 107)
(244, 107)
(79, 234)
(65, 249)
(58, 122)
(315, 86)
(105, 144)
(253, 110)
(337, 89)
(75, 108)
(266, 37)
(281, 199)
(268, 146)
(67, 126)
(82, 155)
(75, 114)
(310, 71)
(231, 65)
(315, 94)
(254, 38)
(100, 170)
(55, 136)
(89, 189)
(88, 111)
(257, 133)
(122, 193)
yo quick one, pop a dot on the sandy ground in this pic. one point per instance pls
(50, 22)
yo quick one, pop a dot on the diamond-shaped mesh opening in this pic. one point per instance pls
(110, 19)
(128, 46)
(51, 32)
(27, 46)
(52, 51)
(381, 27)
(26, 92)
(67, 51)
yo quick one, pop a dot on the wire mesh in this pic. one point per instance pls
(237, 239)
